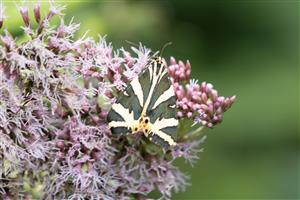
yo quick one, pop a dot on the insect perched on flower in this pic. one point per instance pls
(57, 133)
(147, 105)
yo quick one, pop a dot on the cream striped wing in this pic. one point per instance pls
(147, 105)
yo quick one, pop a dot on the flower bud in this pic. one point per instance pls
(179, 114)
(25, 16)
(1, 22)
(103, 114)
(232, 99)
(204, 97)
(209, 125)
(172, 60)
(2, 16)
(60, 144)
(37, 13)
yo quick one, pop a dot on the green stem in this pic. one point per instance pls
(193, 134)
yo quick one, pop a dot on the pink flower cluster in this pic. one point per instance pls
(199, 102)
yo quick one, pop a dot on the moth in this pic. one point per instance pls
(147, 105)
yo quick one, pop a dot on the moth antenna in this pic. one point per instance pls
(163, 48)
(132, 43)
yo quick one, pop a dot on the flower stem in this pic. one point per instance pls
(195, 133)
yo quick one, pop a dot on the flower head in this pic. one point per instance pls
(199, 102)
(55, 93)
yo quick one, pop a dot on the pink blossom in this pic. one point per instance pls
(55, 93)
(199, 102)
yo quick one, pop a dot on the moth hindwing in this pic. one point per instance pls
(147, 105)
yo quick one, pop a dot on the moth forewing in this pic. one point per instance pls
(147, 105)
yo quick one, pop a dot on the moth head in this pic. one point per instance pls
(159, 60)
(142, 125)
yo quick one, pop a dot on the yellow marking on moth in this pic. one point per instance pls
(146, 128)
(142, 125)
(125, 114)
(155, 79)
(172, 106)
(165, 137)
(164, 123)
(165, 96)
(137, 89)
(118, 123)
(125, 93)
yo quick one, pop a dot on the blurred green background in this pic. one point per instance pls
(245, 48)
